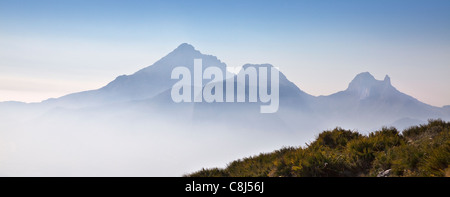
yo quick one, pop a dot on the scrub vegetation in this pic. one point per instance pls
(422, 150)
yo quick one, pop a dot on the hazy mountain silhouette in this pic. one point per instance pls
(368, 102)
(145, 83)
(294, 105)
(132, 123)
(365, 104)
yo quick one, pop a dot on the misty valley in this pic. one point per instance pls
(133, 127)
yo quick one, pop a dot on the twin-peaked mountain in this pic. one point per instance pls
(366, 103)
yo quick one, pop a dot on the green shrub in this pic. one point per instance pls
(428, 130)
(361, 152)
(436, 163)
(383, 161)
(337, 138)
(385, 138)
(213, 172)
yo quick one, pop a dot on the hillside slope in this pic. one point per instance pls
(418, 151)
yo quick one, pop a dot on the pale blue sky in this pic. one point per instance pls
(51, 48)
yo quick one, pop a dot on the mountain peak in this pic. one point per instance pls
(257, 65)
(362, 80)
(185, 46)
(365, 83)
(387, 79)
(186, 50)
(364, 76)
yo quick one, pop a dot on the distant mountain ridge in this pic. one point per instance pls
(132, 127)
(366, 103)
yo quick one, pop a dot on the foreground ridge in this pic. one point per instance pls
(422, 150)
